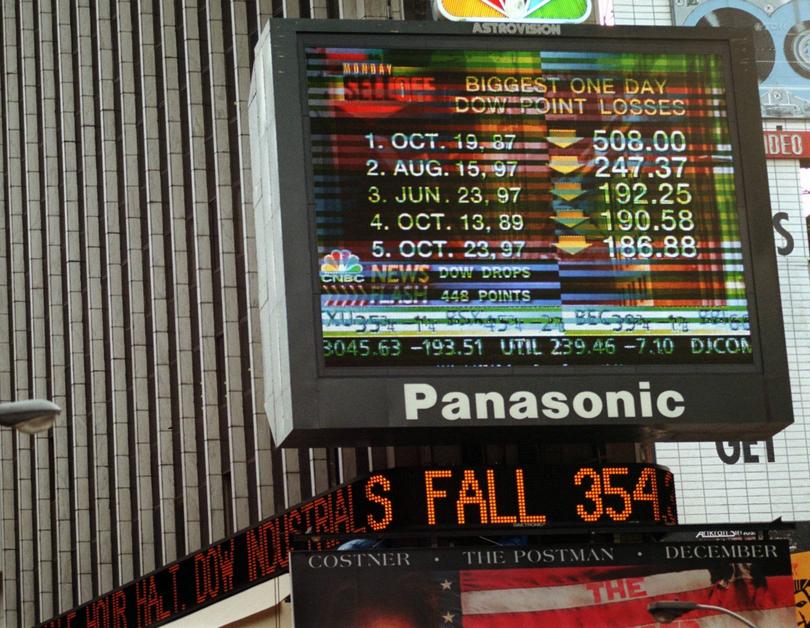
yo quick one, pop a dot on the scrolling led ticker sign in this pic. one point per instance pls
(587, 214)
(394, 502)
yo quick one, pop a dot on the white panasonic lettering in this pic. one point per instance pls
(674, 410)
(482, 402)
(628, 403)
(456, 406)
(422, 399)
(418, 397)
(644, 398)
(555, 405)
(587, 404)
(524, 405)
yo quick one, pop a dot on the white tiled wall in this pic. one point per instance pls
(639, 12)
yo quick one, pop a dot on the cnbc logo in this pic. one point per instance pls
(341, 266)
(538, 11)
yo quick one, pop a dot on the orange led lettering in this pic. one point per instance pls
(306, 514)
(361, 527)
(388, 511)
(494, 517)
(320, 508)
(280, 552)
(292, 521)
(670, 515)
(648, 478)
(225, 559)
(119, 608)
(64, 621)
(521, 495)
(140, 602)
(594, 493)
(432, 494)
(173, 569)
(470, 494)
(206, 579)
(609, 489)
(259, 559)
(98, 614)
(148, 603)
(340, 513)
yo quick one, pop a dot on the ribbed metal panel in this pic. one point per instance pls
(126, 287)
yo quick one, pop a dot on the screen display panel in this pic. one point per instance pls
(565, 584)
(522, 208)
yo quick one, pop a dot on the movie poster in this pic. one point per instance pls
(559, 586)
(801, 587)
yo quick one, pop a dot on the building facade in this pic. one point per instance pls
(128, 296)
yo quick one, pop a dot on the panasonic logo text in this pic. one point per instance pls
(555, 405)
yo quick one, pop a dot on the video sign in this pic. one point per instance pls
(472, 498)
(525, 207)
(471, 207)
(391, 502)
(548, 585)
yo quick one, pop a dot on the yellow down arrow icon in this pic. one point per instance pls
(565, 164)
(570, 218)
(562, 137)
(567, 191)
(572, 244)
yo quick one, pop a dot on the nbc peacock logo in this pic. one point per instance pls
(538, 11)
(341, 266)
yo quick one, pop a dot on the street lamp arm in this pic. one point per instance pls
(738, 617)
(667, 611)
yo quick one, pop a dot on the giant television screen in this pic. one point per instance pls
(519, 207)
(467, 229)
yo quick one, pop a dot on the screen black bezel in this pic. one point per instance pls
(313, 383)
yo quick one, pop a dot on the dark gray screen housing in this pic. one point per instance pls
(705, 392)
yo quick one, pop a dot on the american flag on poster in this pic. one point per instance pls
(609, 596)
